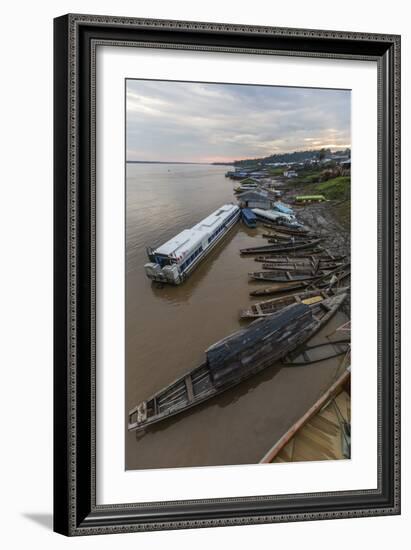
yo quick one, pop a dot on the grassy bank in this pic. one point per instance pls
(334, 189)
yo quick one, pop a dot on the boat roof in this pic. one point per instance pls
(249, 214)
(271, 214)
(190, 238)
(281, 207)
(233, 345)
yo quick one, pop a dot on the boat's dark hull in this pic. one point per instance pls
(281, 288)
(285, 277)
(286, 230)
(295, 267)
(268, 307)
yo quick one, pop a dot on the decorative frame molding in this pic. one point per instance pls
(76, 40)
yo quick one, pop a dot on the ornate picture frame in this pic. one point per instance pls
(76, 39)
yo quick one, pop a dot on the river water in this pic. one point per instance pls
(168, 329)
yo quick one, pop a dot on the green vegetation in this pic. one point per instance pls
(335, 189)
(309, 176)
(279, 171)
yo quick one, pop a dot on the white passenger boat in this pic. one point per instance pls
(173, 261)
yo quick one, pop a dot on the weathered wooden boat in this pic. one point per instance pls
(236, 358)
(281, 288)
(331, 279)
(335, 278)
(291, 254)
(320, 352)
(317, 265)
(274, 234)
(301, 258)
(281, 247)
(287, 230)
(290, 238)
(268, 307)
(277, 236)
(323, 432)
(286, 276)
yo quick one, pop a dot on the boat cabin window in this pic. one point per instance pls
(193, 256)
(222, 227)
(163, 260)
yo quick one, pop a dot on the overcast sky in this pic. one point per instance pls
(196, 122)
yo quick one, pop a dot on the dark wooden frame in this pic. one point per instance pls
(75, 41)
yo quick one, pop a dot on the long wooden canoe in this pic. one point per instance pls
(281, 247)
(283, 237)
(286, 230)
(236, 358)
(316, 265)
(282, 288)
(286, 276)
(332, 279)
(287, 236)
(268, 307)
(301, 257)
(290, 254)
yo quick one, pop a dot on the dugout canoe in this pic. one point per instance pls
(332, 279)
(268, 307)
(286, 230)
(286, 276)
(281, 247)
(303, 256)
(286, 236)
(283, 237)
(316, 265)
(235, 359)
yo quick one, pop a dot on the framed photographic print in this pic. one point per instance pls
(227, 279)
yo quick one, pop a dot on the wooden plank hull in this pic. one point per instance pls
(287, 236)
(332, 279)
(315, 265)
(286, 247)
(268, 307)
(285, 276)
(286, 230)
(281, 288)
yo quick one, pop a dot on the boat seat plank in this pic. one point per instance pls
(189, 386)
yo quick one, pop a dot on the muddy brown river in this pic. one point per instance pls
(169, 328)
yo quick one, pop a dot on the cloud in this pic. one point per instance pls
(191, 122)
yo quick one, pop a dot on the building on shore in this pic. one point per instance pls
(256, 199)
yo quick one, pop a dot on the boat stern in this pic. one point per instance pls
(167, 274)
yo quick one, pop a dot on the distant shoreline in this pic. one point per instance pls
(178, 162)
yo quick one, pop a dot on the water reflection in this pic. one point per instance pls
(182, 293)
